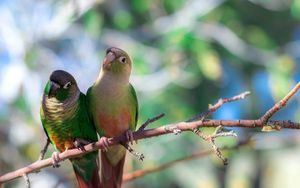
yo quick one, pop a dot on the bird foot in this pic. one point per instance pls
(129, 137)
(136, 154)
(79, 143)
(55, 159)
(105, 142)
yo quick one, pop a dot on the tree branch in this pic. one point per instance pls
(140, 173)
(280, 104)
(166, 129)
(213, 108)
(149, 121)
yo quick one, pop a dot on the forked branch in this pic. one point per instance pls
(168, 129)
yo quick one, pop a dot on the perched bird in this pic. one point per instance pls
(66, 122)
(113, 107)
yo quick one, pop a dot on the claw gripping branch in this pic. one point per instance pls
(193, 124)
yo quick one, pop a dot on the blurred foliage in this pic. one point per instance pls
(186, 54)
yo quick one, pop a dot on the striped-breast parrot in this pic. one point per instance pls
(65, 120)
(113, 106)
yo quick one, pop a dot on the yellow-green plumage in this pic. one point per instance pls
(114, 109)
(64, 117)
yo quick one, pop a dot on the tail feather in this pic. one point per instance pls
(93, 183)
(87, 171)
(111, 176)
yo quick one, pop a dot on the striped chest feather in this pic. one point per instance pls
(60, 122)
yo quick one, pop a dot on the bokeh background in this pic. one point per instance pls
(187, 54)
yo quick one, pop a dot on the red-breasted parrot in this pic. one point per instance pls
(113, 107)
(65, 118)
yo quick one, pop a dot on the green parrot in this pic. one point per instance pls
(66, 122)
(113, 106)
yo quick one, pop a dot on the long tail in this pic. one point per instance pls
(111, 176)
(87, 172)
(93, 183)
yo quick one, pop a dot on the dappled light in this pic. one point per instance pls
(186, 56)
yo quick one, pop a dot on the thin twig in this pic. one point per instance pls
(26, 178)
(44, 150)
(166, 129)
(151, 120)
(144, 172)
(219, 130)
(280, 104)
(136, 154)
(140, 173)
(213, 108)
(183, 126)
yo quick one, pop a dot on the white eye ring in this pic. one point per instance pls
(122, 59)
(67, 85)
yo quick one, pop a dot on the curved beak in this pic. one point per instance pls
(110, 56)
(53, 89)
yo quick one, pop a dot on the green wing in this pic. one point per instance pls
(79, 126)
(85, 165)
(88, 103)
(86, 126)
(135, 107)
(43, 123)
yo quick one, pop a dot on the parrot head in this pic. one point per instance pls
(61, 85)
(117, 61)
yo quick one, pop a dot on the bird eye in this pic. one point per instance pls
(122, 59)
(67, 85)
